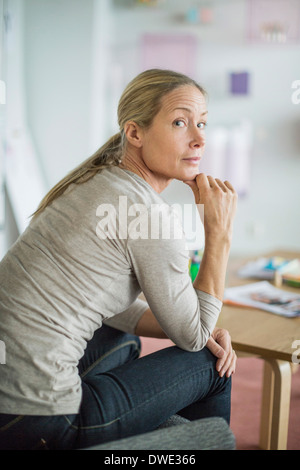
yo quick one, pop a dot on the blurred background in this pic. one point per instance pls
(65, 63)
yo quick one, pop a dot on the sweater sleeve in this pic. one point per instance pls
(187, 315)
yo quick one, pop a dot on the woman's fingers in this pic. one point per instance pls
(220, 345)
(229, 185)
(229, 366)
(203, 181)
(222, 185)
(215, 348)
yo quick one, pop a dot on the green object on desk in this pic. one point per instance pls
(292, 283)
(195, 262)
(194, 270)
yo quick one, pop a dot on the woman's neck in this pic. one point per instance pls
(134, 162)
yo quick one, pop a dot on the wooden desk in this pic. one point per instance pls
(269, 336)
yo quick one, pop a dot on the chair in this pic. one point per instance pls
(179, 434)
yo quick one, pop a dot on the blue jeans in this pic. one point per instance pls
(124, 395)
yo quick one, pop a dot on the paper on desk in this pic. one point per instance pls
(264, 296)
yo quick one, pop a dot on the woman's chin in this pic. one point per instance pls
(189, 175)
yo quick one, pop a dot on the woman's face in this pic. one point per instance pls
(174, 143)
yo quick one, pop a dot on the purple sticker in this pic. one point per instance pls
(239, 83)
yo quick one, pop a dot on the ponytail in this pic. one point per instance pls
(108, 155)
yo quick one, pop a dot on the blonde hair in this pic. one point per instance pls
(140, 102)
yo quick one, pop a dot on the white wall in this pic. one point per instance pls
(2, 130)
(64, 64)
(58, 64)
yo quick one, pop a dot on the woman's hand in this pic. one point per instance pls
(219, 344)
(220, 201)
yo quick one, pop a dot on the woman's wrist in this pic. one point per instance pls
(218, 239)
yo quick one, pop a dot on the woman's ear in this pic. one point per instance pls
(133, 134)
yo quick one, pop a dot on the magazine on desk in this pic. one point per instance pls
(265, 296)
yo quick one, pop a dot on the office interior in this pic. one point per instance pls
(65, 63)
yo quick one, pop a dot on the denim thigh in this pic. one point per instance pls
(139, 396)
(123, 395)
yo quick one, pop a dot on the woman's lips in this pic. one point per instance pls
(192, 160)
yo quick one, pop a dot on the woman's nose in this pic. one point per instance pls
(198, 139)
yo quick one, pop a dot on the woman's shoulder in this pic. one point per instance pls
(115, 182)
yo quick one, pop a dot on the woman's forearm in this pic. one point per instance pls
(149, 327)
(212, 271)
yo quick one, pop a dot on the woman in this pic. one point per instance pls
(70, 313)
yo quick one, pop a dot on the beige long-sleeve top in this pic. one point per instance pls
(84, 260)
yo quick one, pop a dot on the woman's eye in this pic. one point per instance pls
(202, 125)
(179, 123)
